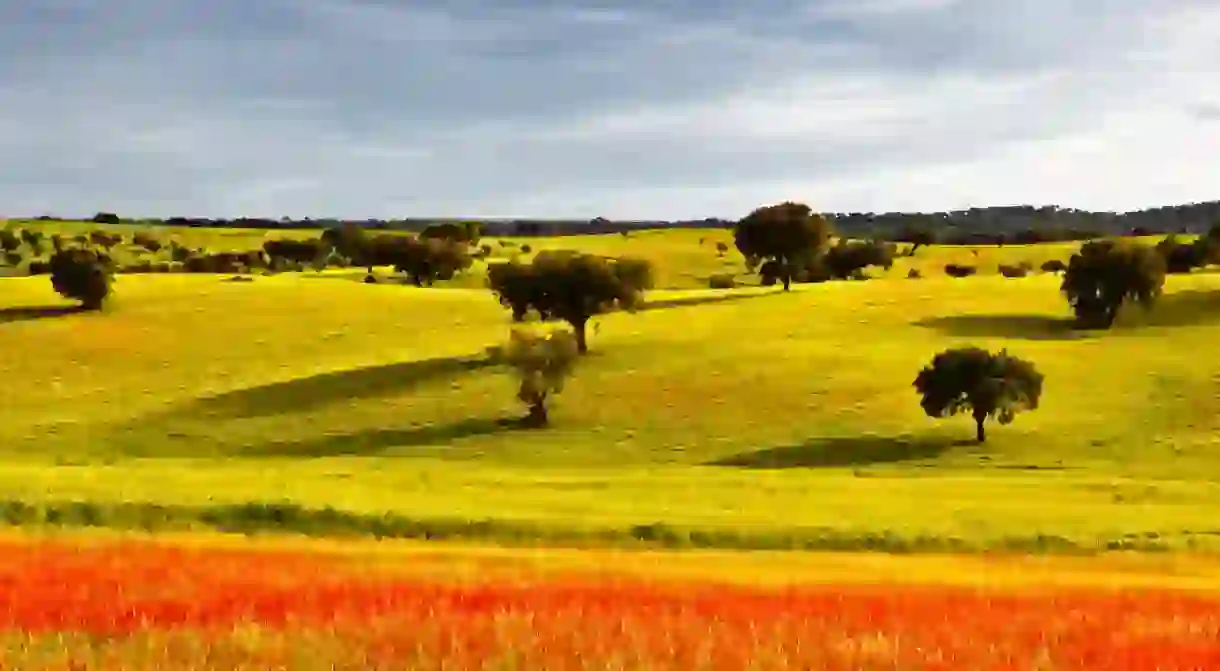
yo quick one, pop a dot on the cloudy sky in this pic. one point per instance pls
(661, 109)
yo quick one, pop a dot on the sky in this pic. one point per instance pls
(666, 109)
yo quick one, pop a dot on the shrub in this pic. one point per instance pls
(1054, 266)
(178, 252)
(159, 267)
(14, 258)
(721, 281)
(104, 239)
(1014, 271)
(147, 241)
(722, 248)
(1104, 274)
(789, 234)
(39, 268)
(33, 240)
(914, 274)
(82, 275)
(106, 218)
(543, 363)
(526, 249)
(176, 267)
(956, 270)
(975, 380)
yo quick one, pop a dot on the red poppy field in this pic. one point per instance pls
(138, 604)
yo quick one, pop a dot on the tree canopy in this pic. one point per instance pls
(569, 286)
(1104, 274)
(975, 380)
(789, 234)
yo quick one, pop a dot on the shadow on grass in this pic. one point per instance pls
(1183, 308)
(1025, 327)
(853, 451)
(373, 441)
(319, 390)
(25, 314)
(688, 301)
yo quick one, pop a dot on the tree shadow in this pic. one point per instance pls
(25, 314)
(688, 301)
(1182, 308)
(848, 451)
(1024, 327)
(371, 442)
(318, 390)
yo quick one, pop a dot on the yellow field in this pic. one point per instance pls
(747, 413)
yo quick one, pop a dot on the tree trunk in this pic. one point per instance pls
(537, 417)
(980, 432)
(787, 277)
(579, 328)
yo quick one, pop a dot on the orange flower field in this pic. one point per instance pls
(144, 605)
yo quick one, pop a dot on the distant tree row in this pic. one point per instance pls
(1021, 224)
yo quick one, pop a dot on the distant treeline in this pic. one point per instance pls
(984, 225)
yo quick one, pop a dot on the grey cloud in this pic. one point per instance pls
(356, 107)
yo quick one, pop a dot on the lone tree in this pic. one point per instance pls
(986, 384)
(82, 275)
(569, 286)
(1106, 273)
(790, 234)
(543, 363)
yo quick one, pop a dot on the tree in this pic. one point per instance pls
(83, 275)
(348, 239)
(790, 234)
(972, 379)
(9, 241)
(1106, 273)
(845, 258)
(465, 233)
(569, 286)
(106, 218)
(425, 261)
(543, 363)
(1183, 257)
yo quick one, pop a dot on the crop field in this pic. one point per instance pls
(750, 418)
(136, 603)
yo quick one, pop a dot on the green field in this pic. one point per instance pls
(739, 418)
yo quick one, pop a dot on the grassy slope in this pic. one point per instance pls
(196, 391)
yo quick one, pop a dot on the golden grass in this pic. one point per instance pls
(313, 389)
